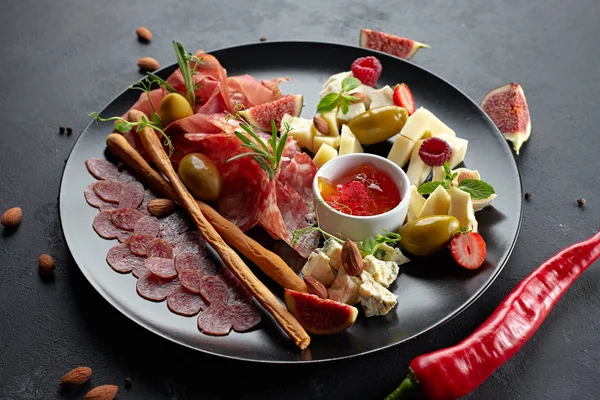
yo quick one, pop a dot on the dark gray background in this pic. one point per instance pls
(63, 59)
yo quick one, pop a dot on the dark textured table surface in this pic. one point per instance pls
(63, 59)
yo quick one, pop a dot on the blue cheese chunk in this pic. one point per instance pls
(384, 272)
(386, 252)
(374, 298)
(317, 266)
(333, 249)
(345, 288)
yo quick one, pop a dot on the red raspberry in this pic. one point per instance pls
(367, 70)
(435, 151)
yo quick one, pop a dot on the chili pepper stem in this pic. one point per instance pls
(408, 389)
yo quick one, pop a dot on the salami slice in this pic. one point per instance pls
(140, 269)
(161, 267)
(148, 225)
(159, 248)
(125, 218)
(138, 243)
(132, 195)
(183, 302)
(109, 191)
(153, 288)
(190, 242)
(102, 169)
(104, 226)
(148, 196)
(174, 225)
(121, 259)
(92, 198)
(185, 261)
(190, 279)
(124, 236)
(243, 316)
(237, 292)
(127, 176)
(215, 320)
(299, 175)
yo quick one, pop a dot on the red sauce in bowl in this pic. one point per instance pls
(362, 191)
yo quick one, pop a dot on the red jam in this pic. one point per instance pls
(362, 191)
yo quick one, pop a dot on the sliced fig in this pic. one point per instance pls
(507, 107)
(319, 316)
(391, 44)
(260, 116)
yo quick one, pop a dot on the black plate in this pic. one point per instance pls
(430, 291)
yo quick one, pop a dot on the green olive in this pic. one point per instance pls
(173, 107)
(428, 235)
(378, 124)
(201, 176)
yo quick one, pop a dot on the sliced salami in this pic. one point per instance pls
(190, 242)
(132, 195)
(161, 267)
(127, 176)
(148, 196)
(153, 288)
(237, 292)
(148, 225)
(185, 261)
(299, 175)
(190, 279)
(102, 169)
(183, 302)
(159, 248)
(125, 218)
(243, 316)
(104, 226)
(215, 320)
(174, 225)
(138, 243)
(124, 236)
(141, 269)
(121, 259)
(92, 198)
(109, 191)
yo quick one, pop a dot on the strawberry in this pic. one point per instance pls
(403, 97)
(468, 249)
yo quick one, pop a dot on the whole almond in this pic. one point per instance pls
(45, 264)
(351, 258)
(315, 286)
(76, 376)
(161, 207)
(321, 125)
(12, 217)
(104, 392)
(465, 175)
(148, 64)
(144, 33)
(360, 96)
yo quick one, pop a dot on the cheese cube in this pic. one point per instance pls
(333, 249)
(345, 288)
(401, 150)
(459, 148)
(461, 207)
(331, 118)
(325, 154)
(384, 272)
(374, 298)
(367, 90)
(303, 130)
(334, 83)
(381, 97)
(437, 127)
(415, 204)
(386, 252)
(349, 144)
(319, 140)
(354, 109)
(437, 203)
(417, 171)
(423, 124)
(317, 265)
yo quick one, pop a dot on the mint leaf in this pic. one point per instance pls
(369, 245)
(345, 107)
(477, 188)
(429, 187)
(350, 83)
(155, 119)
(328, 102)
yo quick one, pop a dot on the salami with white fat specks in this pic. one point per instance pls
(148, 225)
(93, 200)
(138, 243)
(126, 176)
(124, 236)
(140, 269)
(102, 169)
(132, 195)
(159, 248)
(148, 196)
(174, 225)
(154, 288)
(183, 302)
(191, 268)
(237, 292)
(104, 227)
(190, 242)
(109, 191)
(121, 259)
(125, 218)
(161, 267)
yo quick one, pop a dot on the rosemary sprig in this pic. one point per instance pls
(183, 60)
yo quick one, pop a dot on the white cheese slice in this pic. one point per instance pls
(381, 97)
(319, 140)
(401, 151)
(374, 298)
(333, 249)
(317, 266)
(384, 272)
(331, 118)
(417, 171)
(459, 148)
(325, 154)
(349, 144)
(438, 203)
(303, 130)
(354, 109)
(423, 124)
(461, 207)
(415, 204)
(345, 288)
(438, 173)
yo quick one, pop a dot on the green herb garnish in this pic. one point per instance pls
(371, 244)
(183, 60)
(477, 188)
(332, 100)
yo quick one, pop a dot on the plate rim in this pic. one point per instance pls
(428, 330)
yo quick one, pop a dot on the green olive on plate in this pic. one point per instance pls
(428, 235)
(201, 176)
(378, 124)
(173, 107)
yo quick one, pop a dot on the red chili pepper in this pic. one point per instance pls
(455, 371)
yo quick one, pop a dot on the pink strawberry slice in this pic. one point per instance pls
(468, 250)
(403, 97)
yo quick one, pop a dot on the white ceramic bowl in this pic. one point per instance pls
(358, 228)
